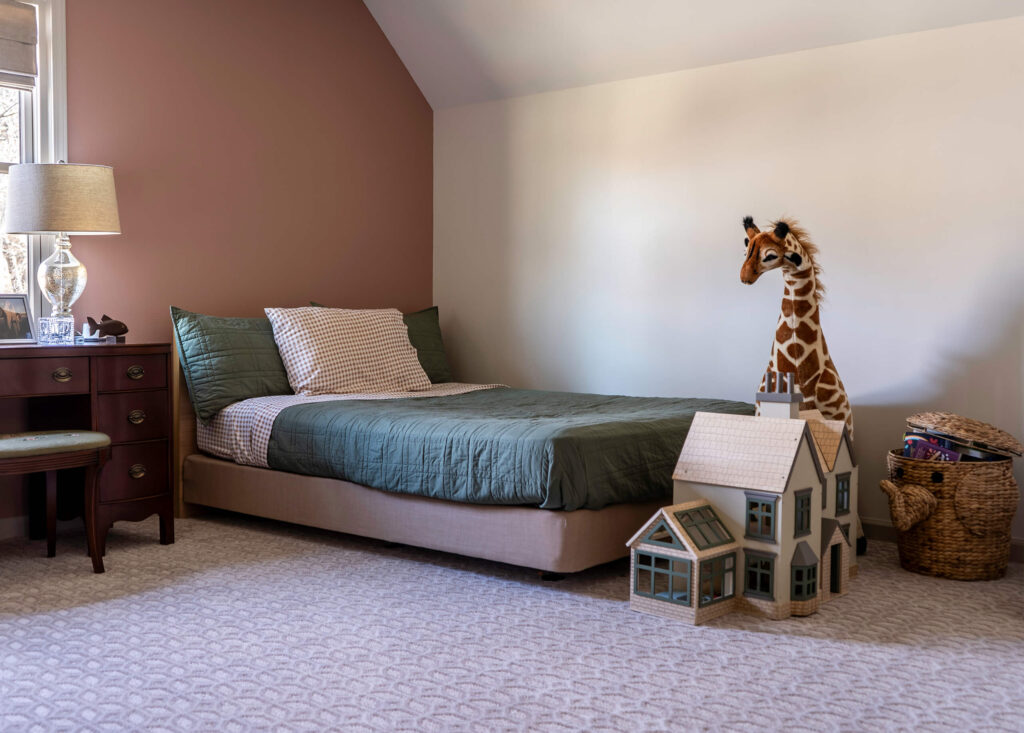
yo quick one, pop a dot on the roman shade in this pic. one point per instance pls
(17, 44)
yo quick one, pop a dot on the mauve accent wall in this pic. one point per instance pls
(266, 152)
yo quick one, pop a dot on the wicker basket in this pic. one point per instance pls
(953, 519)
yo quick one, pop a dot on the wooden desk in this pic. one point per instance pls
(122, 390)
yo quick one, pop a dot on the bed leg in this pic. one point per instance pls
(550, 577)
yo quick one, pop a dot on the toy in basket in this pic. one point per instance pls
(952, 496)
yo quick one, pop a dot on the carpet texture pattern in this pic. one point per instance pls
(251, 625)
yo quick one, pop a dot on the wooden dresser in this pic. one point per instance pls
(122, 390)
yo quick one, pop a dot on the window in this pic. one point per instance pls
(664, 578)
(15, 147)
(843, 493)
(717, 579)
(761, 517)
(805, 582)
(704, 527)
(802, 525)
(33, 127)
(661, 535)
(760, 575)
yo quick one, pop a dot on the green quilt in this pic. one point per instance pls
(555, 450)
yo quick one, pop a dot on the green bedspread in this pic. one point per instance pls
(556, 450)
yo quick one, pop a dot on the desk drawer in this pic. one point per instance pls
(50, 375)
(135, 471)
(127, 416)
(132, 372)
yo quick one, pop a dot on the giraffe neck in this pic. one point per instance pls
(799, 345)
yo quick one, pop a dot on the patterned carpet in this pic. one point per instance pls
(250, 625)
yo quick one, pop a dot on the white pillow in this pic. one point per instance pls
(339, 351)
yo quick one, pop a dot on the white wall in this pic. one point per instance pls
(590, 239)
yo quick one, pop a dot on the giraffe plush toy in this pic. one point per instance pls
(799, 344)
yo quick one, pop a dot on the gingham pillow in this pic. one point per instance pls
(336, 351)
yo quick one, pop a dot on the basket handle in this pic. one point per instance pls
(908, 504)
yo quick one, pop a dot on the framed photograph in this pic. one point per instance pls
(16, 325)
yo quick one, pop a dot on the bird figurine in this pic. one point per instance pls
(107, 326)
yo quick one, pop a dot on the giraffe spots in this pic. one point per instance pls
(811, 366)
(808, 405)
(795, 350)
(787, 307)
(783, 333)
(806, 333)
(828, 377)
(783, 364)
(803, 307)
(787, 292)
(837, 402)
(804, 290)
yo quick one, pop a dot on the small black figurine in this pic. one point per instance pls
(107, 327)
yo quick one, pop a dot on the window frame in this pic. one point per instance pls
(689, 522)
(672, 572)
(715, 571)
(803, 496)
(46, 120)
(760, 557)
(843, 490)
(761, 498)
(803, 595)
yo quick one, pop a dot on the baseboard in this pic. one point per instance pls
(887, 533)
(11, 527)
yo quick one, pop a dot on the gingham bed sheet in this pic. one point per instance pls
(241, 432)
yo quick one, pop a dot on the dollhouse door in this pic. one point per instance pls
(836, 571)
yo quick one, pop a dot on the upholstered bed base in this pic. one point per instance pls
(555, 541)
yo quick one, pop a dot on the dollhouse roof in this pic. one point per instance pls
(743, 451)
(828, 437)
(695, 526)
(828, 529)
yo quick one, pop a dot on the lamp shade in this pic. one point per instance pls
(46, 198)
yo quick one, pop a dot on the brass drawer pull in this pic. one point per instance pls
(137, 470)
(61, 374)
(137, 417)
(136, 372)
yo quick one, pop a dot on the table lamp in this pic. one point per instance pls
(61, 199)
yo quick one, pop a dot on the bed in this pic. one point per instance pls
(578, 529)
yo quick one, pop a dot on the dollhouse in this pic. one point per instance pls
(764, 519)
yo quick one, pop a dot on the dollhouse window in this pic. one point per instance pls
(703, 527)
(802, 524)
(805, 582)
(760, 575)
(761, 516)
(717, 579)
(664, 578)
(843, 493)
(661, 535)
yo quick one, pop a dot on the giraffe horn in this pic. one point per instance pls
(781, 229)
(748, 223)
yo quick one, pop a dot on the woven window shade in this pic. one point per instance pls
(17, 44)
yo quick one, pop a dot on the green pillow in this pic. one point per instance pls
(227, 360)
(425, 336)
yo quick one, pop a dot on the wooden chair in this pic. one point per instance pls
(51, 451)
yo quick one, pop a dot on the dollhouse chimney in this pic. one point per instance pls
(781, 396)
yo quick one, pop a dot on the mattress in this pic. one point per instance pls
(479, 444)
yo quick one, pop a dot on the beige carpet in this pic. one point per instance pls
(249, 625)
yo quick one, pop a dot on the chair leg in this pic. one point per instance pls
(92, 536)
(51, 513)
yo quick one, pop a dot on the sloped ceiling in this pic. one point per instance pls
(466, 51)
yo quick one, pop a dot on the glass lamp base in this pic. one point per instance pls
(56, 330)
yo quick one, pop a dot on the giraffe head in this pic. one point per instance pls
(784, 245)
(765, 250)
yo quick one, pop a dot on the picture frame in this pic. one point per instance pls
(16, 324)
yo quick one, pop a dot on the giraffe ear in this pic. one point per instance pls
(794, 258)
(781, 229)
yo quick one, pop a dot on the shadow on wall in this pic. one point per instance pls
(983, 384)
